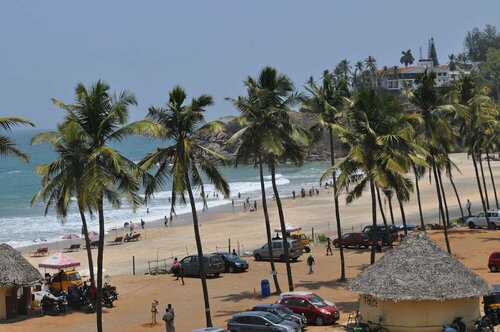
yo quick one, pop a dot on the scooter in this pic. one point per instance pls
(457, 326)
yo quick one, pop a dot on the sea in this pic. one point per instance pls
(23, 224)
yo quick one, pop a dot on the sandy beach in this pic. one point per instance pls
(232, 293)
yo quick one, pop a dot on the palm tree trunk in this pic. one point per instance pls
(444, 198)
(199, 248)
(484, 181)
(100, 259)
(380, 206)
(422, 225)
(87, 240)
(456, 194)
(389, 199)
(337, 211)
(473, 154)
(268, 227)
(492, 180)
(374, 222)
(283, 228)
(403, 215)
(441, 211)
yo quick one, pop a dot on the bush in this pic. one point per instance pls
(322, 238)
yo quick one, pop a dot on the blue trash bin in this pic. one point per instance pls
(265, 288)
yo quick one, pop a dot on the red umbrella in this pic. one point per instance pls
(59, 261)
(92, 234)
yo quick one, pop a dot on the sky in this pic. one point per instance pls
(207, 47)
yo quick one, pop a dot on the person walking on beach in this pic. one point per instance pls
(255, 205)
(131, 227)
(166, 221)
(328, 247)
(310, 263)
(293, 194)
(168, 317)
(468, 205)
(142, 224)
(232, 203)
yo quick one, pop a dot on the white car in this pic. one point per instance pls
(480, 220)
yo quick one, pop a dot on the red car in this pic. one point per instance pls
(356, 240)
(314, 308)
(494, 261)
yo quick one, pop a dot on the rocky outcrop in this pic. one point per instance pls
(319, 151)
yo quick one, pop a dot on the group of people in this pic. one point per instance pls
(312, 191)
(168, 317)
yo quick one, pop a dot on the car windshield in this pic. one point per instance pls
(318, 302)
(295, 244)
(75, 276)
(273, 318)
(231, 257)
(283, 310)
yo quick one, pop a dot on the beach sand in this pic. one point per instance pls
(232, 293)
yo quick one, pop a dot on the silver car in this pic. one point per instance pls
(480, 220)
(294, 247)
(260, 321)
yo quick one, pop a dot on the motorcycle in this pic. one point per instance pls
(457, 326)
(484, 324)
(54, 305)
(111, 290)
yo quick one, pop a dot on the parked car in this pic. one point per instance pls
(491, 304)
(283, 312)
(232, 262)
(356, 240)
(260, 321)
(278, 251)
(302, 293)
(388, 234)
(210, 329)
(494, 261)
(480, 220)
(314, 308)
(213, 264)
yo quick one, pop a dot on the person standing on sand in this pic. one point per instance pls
(255, 205)
(142, 224)
(310, 263)
(168, 317)
(468, 205)
(328, 247)
(166, 221)
(293, 194)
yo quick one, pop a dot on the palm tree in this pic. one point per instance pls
(434, 129)
(453, 62)
(185, 160)
(376, 134)
(406, 58)
(7, 146)
(342, 70)
(99, 118)
(389, 194)
(475, 115)
(419, 172)
(62, 178)
(371, 63)
(327, 102)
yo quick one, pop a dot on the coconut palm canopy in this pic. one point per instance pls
(15, 270)
(418, 270)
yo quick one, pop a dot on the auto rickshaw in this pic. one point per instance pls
(65, 279)
(491, 304)
(297, 234)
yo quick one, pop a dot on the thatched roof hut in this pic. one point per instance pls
(419, 269)
(15, 270)
(418, 286)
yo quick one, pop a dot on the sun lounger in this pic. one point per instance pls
(40, 252)
(134, 237)
(117, 240)
(94, 244)
(73, 247)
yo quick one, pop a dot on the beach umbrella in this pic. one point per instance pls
(40, 239)
(70, 237)
(59, 261)
(92, 234)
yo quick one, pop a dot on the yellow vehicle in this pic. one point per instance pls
(297, 234)
(65, 279)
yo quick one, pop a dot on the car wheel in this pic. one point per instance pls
(357, 246)
(258, 257)
(230, 269)
(319, 321)
(493, 226)
(282, 258)
(471, 225)
(307, 249)
(493, 268)
(216, 274)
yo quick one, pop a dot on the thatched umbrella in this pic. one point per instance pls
(418, 270)
(15, 270)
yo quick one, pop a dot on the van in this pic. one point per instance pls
(213, 264)
(294, 247)
(388, 234)
(480, 220)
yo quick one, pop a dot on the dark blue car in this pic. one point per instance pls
(233, 263)
(283, 312)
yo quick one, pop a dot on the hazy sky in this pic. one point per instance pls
(206, 46)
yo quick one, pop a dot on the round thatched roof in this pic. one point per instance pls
(417, 270)
(15, 270)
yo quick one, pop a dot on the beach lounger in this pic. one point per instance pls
(73, 247)
(40, 252)
(94, 244)
(134, 237)
(117, 240)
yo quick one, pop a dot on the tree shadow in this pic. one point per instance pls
(488, 239)
(226, 313)
(315, 285)
(236, 297)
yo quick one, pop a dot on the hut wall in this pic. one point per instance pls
(3, 309)
(424, 316)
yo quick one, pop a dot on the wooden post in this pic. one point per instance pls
(133, 265)
(312, 234)
(229, 245)
(238, 244)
